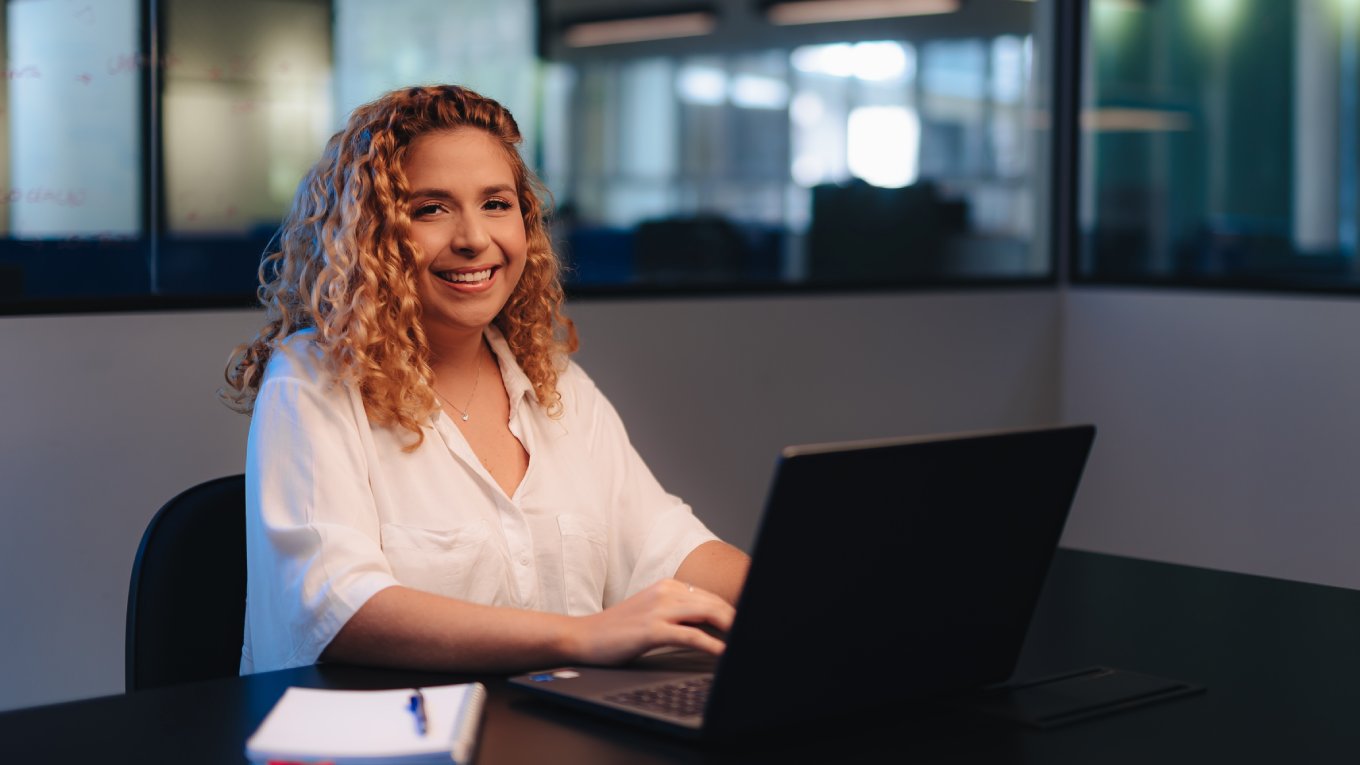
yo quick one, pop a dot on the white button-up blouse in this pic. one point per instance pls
(336, 511)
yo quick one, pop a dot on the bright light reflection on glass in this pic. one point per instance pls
(836, 60)
(879, 61)
(1217, 13)
(1008, 69)
(1114, 20)
(702, 85)
(807, 108)
(883, 144)
(871, 61)
(755, 92)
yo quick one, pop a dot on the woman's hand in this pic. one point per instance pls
(668, 613)
(406, 628)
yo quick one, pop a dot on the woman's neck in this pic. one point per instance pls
(453, 357)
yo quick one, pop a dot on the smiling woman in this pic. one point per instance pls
(466, 223)
(414, 280)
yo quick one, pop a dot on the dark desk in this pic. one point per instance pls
(1281, 661)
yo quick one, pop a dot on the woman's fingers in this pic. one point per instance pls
(670, 613)
(693, 637)
(695, 616)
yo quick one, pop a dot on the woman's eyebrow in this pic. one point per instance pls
(498, 188)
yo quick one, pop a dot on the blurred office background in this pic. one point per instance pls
(784, 222)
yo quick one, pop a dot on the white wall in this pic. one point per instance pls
(1229, 429)
(107, 416)
(712, 389)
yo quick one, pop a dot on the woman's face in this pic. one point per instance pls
(467, 223)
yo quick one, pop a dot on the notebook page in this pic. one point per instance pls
(342, 725)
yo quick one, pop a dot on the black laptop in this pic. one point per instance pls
(882, 572)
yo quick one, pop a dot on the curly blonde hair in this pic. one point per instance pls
(345, 264)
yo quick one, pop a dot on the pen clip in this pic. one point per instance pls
(417, 707)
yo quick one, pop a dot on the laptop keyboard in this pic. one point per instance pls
(683, 698)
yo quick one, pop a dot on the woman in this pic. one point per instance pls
(430, 482)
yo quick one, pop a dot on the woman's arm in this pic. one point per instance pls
(717, 567)
(406, 628)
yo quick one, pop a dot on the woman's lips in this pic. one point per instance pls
(469, 279)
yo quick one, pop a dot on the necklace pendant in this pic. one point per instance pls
(465, 417)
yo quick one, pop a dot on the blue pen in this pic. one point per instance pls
(417, 707)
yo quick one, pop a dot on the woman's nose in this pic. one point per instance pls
(469, 236)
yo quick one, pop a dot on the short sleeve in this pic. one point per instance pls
(313, 554)
(652, 530)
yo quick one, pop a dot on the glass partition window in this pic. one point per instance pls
(73, 165)
(253, 89)
(878, 160)
(746, 148)
(152, 148)
(246, 104)
(487, 46)
(106, 193)
(71, 174)
(245, 108)
(1219, 142)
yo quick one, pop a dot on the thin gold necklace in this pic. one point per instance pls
(464, 411)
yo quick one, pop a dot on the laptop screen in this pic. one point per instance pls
(896, 570)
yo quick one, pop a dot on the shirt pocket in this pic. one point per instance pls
(462, 562)
(585, 553)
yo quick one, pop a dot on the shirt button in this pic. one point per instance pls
(524, 560)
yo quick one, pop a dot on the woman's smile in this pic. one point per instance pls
(469, 280)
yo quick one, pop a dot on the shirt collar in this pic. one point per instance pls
(517, 384)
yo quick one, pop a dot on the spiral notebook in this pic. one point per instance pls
(882, 571)
(313, 725)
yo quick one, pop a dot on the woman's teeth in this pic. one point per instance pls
(471, 277)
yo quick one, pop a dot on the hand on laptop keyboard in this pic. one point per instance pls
(669, 613)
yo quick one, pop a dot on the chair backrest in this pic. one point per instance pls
(186, 603)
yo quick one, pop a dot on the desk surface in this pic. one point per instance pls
(1281, 661)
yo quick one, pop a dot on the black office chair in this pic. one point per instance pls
(186, 604)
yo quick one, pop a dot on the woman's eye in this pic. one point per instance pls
(429, 208)
(497, 204)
